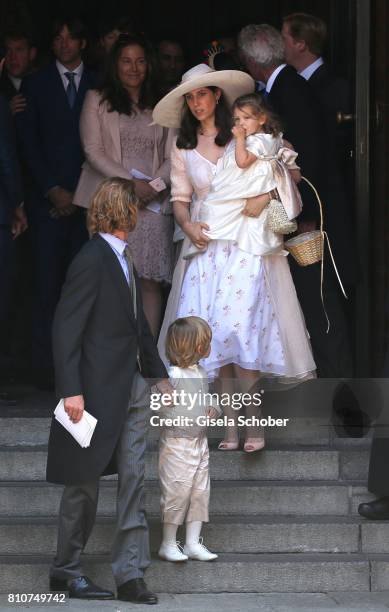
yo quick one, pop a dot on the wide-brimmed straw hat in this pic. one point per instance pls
(234, 83)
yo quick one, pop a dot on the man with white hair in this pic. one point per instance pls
(262, 51)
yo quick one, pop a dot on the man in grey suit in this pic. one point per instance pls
(101, 343)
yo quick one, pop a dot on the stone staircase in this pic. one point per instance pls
(283, 520)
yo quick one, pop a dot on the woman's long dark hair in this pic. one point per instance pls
(187, 135)
(112, 89)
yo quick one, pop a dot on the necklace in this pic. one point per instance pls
(208, 135)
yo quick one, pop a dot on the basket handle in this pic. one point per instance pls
(325, 237)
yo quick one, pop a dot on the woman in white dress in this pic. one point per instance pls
(248, 300)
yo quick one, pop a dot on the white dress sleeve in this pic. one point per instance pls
(256, 145)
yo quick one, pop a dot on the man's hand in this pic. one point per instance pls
(17, 104)
(62, 200)
(74, 407)
(19, 222)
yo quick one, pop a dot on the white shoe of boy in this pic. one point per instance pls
(197, 550)
(170, 551)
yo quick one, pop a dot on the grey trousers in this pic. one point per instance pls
(130, 548)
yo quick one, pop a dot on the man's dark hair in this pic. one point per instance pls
(75, 26)
(122, 23)
(112, 89)
(187, 136)
(170, 37)
(17, 32)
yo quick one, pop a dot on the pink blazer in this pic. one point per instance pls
(100, 138)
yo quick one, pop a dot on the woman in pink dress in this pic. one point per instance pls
(119, 140)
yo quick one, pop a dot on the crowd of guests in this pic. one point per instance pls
(73, 129)
(86, 115)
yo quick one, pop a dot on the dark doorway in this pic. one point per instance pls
(349, 24)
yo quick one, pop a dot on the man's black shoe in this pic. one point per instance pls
(7, 400)
(136, 591)
(80, 588)
(376, 510)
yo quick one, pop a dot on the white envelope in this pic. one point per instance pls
(154, 206)
(82, 431)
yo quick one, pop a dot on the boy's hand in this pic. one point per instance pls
(165, 388)
(239, 132)
(212, 412)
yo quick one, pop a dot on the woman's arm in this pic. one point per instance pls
(192, 229)
(254, 206)
(293, 169)
(164, 169)
(182, 190)
(93, 138)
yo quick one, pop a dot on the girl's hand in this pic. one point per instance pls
(254, 206)
(143, 191)
(238, 132)
(195, 233)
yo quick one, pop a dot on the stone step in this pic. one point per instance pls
(258, 534)
(227, 498)
(30, 464)
(301, 430)
(232, 573)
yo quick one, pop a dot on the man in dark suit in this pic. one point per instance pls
(304, 38)
(262, 50)
(20, 55)
(101, 343)
(12, 223)
(49, 134)
(378, 482)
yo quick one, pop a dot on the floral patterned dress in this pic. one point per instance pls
(230, 289)
(151, 241)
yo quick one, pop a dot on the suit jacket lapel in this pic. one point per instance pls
(58, 89)
(118, 277)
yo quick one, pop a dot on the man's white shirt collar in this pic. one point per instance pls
(273, 77)
(16, 81)
(309, 70)
(77, 72)
(115, 242)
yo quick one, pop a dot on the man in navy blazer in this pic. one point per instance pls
(12, 222)
(49, 132)
(304, 38)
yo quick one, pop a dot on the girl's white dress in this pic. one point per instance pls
(231, 186)
(248, 300)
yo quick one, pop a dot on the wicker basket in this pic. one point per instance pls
(306, 248)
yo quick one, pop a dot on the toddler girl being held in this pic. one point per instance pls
(256, 161)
